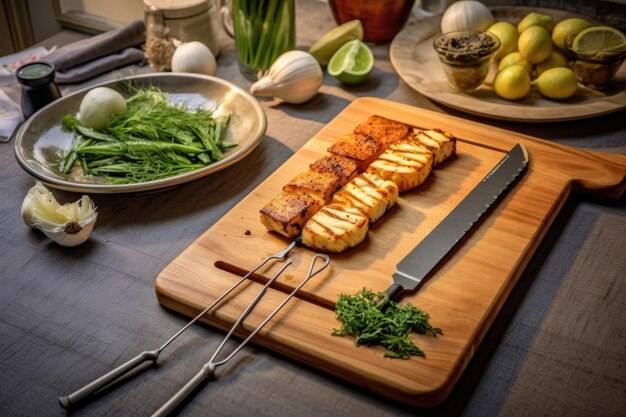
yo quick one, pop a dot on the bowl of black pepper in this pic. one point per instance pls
(466, 57)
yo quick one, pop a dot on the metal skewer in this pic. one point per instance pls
(152, 355)
(208, 369)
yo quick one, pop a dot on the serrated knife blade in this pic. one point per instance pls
(418, 263)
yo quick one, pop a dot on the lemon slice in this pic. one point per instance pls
(352, 63)
(599, 39)
(331, 41)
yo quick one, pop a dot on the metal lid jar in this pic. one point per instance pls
(182, 20)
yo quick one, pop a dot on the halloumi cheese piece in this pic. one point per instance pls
(289, 211)
(441, 144)
(345, 168)
(362, 148)
(335, 228)
(385, 130)
(405, 163)
(369, 193)
(321, 185)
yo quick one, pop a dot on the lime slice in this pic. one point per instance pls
(599, 39)
(334, 39)
(352, 63)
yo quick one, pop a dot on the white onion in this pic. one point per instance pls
(466, 15)
(194, 57)
(99, 105)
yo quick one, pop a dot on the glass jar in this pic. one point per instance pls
(38, 86)
(466, 57)
(189, 20)
(594, 69)
(262, 31)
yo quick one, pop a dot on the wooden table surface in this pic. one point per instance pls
(68, 315)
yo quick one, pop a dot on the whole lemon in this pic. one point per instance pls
(557, 83)
(564, 27)
(507, 33)
(535, 19)
(555, 60)
(515, 58)
(512, 82)
(535, 44)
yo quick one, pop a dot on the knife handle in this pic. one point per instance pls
(394, 291)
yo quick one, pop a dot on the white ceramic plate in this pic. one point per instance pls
(415, 60)
(41, 141)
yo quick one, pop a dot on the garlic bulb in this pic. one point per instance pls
(466, 15)
(68, 225)
(295, 77)
(194, 57)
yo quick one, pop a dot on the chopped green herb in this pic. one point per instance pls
(373, 319)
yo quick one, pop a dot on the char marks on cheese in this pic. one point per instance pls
(335, 228)
(406, 163)
(321, 185)
(343, 167)
(361, 148)
(369, 193)
(441, 144)
(331, 204)
(289, 211)
(344, 222)
(384, 130)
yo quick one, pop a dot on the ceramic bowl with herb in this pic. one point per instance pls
(466, 57)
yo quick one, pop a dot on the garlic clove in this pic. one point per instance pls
(68, 225)
(72, 233)
(27, 215)
(295, 77)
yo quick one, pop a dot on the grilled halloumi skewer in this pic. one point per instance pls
(345, 168)
(321, 185)
(340, 225)
(369, 193)
(335, 228)
(289, 211)
(361, 148)
(386, 131)
(408, 160)
(304, 195)
(406, 163)
(441, 144)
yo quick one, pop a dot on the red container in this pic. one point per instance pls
(381, 19)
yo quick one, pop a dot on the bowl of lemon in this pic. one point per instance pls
(551, 65)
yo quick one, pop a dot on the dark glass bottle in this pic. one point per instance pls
(38, 86)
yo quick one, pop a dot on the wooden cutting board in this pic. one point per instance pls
(463, 296)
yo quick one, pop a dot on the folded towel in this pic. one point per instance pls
(93, 56)
(99, 66)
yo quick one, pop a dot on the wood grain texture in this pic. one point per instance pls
(463, 296)
(415, 60)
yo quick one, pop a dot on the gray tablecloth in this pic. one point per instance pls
(70, 315)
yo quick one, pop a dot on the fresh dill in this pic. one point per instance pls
(373, 319)
(151, 140)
